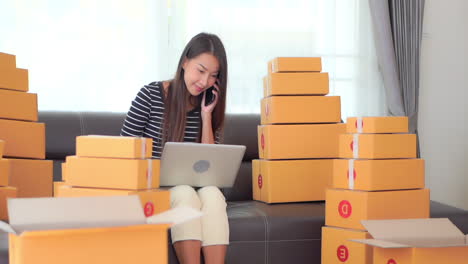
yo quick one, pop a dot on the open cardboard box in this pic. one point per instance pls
(416, 241)
(111, 229)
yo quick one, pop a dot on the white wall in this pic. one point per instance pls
(442, 112)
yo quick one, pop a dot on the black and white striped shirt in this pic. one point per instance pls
(145, 118)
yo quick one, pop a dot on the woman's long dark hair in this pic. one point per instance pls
(175, 110)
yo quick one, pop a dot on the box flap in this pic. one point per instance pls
(30, 214)
(416, 232)
(175, 216)
(6, 227)
(380, 243)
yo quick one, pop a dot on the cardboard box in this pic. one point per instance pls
(280, 181)
(377, 146)
(114, 147)
(4, 172)
(24, 139)
(346, 208)
(92, 230)
(14, 79)
(296, 64)
(337, 249)
(18, 105)
(300, 109)
(6, 192)
(33, 178)
(378, 175)
(152, 201)
(306, 83)
(299, 141)
(417, 241)
(379, 124)
(7, 61)
(57, 185)
(129, 174)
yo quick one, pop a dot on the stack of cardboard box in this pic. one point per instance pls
(298, 135)
(378, 177)
(23, 136)
(113, 165)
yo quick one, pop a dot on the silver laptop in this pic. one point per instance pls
(200, 165)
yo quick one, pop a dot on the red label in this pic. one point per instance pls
(260, 181)
(149, 209)
(342, 253)
(354, 174)
(391, 261)
(345, 209)
(262, 141)
(352, 145)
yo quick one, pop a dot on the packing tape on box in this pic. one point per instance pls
(351, 174)
(356, 146)
(359, 124)
(149, 174)
(143, 147)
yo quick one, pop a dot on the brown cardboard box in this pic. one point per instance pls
(300, 109)
(337, 249)
(7, 61)
(379, 124)
(24, 139)
(129, 174)
(18, 105)
(299, 141)
(57, 185)
(296, 64)
(378, 175)
(152, 201)
(377, 146)
(346, 208)
(416, 241)
(304, 83)
(90, 230)
(5, 193)
(33, 178)
(114, 147)
(4, 172)
(14, 79)
(280, 181)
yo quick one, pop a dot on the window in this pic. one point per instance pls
(95, 55)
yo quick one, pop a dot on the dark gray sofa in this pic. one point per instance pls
(260, 233)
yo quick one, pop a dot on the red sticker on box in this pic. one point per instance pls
(260, 181)
(391, 261)
(345, 209)
(354, 174)
(149, 209)
(352, 145)
(262, 141)
(362, 123)
(342, 253)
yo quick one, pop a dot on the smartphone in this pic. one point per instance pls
(209, 96)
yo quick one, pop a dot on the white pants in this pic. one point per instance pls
(213, 227)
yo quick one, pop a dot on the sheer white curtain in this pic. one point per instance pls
(95, 55)
(83, 54)
(256, 31)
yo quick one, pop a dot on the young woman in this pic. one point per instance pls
(175, 110)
